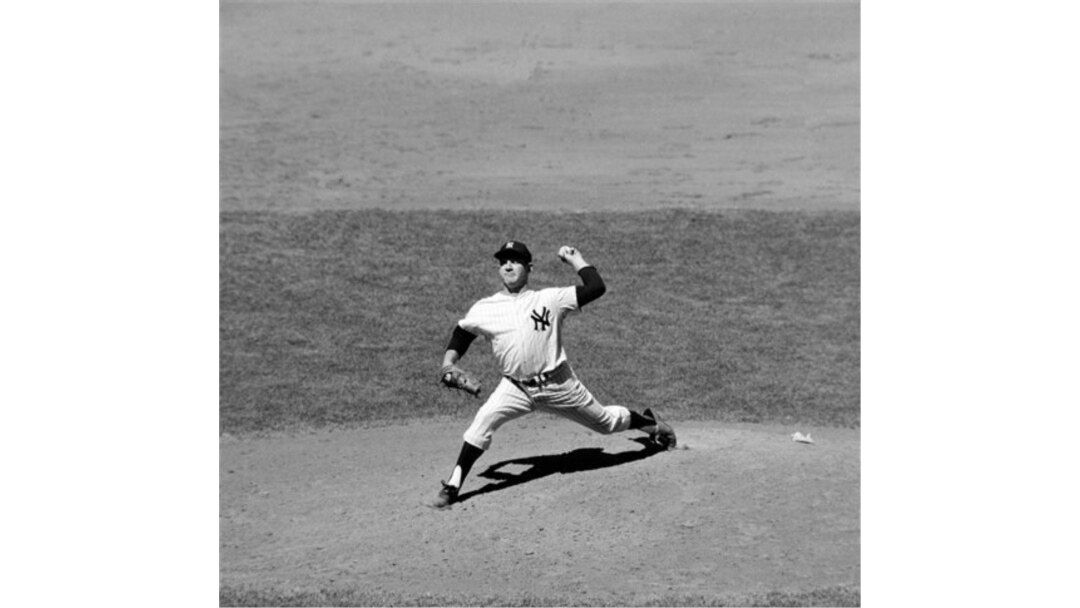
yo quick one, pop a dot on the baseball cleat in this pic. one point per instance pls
(446, 497)
(661, 433)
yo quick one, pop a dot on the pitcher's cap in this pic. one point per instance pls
(514, 249)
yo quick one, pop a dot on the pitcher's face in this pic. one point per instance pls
(514, 274)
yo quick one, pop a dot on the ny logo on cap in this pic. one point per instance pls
(509, 245)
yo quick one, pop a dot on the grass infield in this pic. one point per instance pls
(340, 318)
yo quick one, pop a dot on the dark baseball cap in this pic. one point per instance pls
(514, 249)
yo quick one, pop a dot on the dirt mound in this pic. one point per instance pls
(551, 510)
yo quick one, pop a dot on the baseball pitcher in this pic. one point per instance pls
(524, 328)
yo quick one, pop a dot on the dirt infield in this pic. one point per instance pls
(551, 510)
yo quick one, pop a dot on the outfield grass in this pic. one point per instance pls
(341, 318)
(232, 596)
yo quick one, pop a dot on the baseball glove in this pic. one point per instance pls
(453, 376)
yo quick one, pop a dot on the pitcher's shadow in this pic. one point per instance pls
(575, 461)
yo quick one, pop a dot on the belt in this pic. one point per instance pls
(537, 381)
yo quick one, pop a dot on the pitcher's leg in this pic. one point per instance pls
(504, 404)
(573, 401)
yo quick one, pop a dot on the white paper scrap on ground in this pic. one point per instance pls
(802, 438)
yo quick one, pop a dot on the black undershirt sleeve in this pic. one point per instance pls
(592, 289)
(460, 340)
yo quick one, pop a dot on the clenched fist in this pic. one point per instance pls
(572, 256)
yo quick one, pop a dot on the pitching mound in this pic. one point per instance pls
(551, 510)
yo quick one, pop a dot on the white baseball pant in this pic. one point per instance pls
(561, 394)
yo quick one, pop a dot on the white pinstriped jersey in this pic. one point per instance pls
(525, 329)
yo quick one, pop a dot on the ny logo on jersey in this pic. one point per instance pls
(541, 321)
